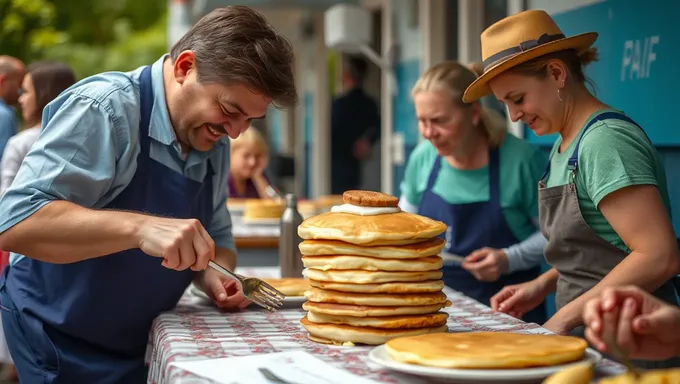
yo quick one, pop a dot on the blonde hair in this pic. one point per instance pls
(251, 136)
(454, 78)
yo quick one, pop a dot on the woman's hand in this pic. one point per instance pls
(518, 299)
(486, 264)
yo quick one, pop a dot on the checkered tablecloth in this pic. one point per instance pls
(195, 331)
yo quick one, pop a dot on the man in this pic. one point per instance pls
(11, 74)
(355, 127)
(121, 202)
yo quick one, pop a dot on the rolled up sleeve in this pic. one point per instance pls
(74, 159)
(221, 226)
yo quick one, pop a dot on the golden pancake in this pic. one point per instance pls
(355, 276)
(388, 229)
(430, 247)
(362, 335)
(263, 209)
(385, 322)
(414, 287)
(341, 262)
(487, 350)
(578, 374)
(368, 311)
(290, 286)
(655, 376)
(374, 299)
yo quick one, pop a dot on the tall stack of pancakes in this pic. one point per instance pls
(374, 272)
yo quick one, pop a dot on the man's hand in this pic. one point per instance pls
(225, 292)
(486, 264)
(182, 243)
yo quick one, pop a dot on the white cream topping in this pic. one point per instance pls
(364, 211)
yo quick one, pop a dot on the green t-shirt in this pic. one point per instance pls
(613, 154)
(521, 167)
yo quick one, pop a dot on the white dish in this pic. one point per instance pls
(379, 356)
(263, 221)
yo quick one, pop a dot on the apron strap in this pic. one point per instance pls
(573, 160)
(146, 105)
(494, 177)
(434, 173)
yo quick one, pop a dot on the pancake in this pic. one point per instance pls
(487, 350)
(414, 287)
(290, 286)
(385, 322)
(354, 276)
(655, 376)
(578, 374)
(374, 299)
(368, 311)
(362, 335)
(343, 262)
(430, 247)
(387, 229)
(263, 209)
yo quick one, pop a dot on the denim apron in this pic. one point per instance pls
(88, 322)
(472, 226)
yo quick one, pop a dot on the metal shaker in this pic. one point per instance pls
(290, 258)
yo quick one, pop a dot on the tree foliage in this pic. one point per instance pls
(91, 36)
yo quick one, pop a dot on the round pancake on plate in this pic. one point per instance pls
(368, 311)
(430, 247)
(356, 276)
(325, 263)
(385, 322)
(487, 350)
(362, 335)
(290, 286)
(388, 229)
(412, 287)
(374, 299)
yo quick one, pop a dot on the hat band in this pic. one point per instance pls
(523, 46)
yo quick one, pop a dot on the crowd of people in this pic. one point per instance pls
(114, 194)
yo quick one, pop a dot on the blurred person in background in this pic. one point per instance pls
(11, 75)
(43, 82)
(249, 158)
(480, 181)
(355, 127)
(121, 202)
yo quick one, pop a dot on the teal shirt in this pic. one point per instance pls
(613, 154)
(521, 167)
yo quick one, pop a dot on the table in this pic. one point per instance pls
(195, 330)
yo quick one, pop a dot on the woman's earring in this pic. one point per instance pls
(559, 96)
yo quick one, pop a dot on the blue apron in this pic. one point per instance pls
(88, 322)
(473, 226)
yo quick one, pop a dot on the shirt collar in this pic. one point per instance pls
(160, 127)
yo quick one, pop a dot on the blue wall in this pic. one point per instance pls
(404, 113)
(637, 71)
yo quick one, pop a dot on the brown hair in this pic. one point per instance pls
(454, 78)
(50, 78)
(572, 60)
(236, 44)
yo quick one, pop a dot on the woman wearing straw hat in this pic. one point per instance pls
(480, 181)
(603, 202)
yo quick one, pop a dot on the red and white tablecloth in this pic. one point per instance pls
(197, 331)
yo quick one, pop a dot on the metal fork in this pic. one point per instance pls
(254, 289)
(620, 355)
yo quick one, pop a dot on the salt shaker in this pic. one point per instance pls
(290, 258)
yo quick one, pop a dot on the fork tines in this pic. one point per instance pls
(267, 297)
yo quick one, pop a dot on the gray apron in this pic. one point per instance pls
(580, 255)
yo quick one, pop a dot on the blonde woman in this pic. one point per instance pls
(478, 179)
(248, 159)
(604, 205)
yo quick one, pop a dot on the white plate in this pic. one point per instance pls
(379, 356)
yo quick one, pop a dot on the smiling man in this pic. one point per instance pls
(121, 202)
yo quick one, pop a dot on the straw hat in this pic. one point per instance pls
(517, 39)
